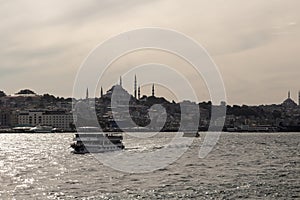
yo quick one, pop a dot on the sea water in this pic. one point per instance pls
(241, 166)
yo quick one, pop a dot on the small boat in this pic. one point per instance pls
(191, 134)
(57, 130)
(92, 140)
(22, 129)
(41, 129)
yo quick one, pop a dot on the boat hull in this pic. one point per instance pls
(96, 150)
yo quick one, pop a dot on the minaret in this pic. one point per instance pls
(153, 90)
(101, 93)
(299, 98)
(289, 94)
(139, 92)
(87, 93)
(135, 87)
(121, 81)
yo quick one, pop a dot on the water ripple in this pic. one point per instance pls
(40, 166)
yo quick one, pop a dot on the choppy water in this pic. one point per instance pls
(244, 166)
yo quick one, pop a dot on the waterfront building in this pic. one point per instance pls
(56, 119)
(5, 118)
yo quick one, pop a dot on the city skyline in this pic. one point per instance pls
(254, 44)
(136, 93)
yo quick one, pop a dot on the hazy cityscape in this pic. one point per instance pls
(28, 109)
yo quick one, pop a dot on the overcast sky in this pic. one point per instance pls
(255, 43)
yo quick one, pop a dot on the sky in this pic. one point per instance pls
(255, 44)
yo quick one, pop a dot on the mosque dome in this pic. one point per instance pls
(289, 103)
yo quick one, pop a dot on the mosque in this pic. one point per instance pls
(122, 96)
(289, 102)
(122, 92)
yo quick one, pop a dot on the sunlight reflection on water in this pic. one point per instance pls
(241, 165)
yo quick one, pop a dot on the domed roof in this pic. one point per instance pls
(289, 103)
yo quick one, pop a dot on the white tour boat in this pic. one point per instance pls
(91, 140)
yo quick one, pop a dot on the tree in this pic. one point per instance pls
(276, 114)
(25, 91)
(2, 94)
(48, 98)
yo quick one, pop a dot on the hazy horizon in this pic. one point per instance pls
(148, 87)
(254, 44)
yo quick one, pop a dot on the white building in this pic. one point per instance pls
(56, 119)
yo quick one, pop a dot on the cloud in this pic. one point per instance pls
(253, 42)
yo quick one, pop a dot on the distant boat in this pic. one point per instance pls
(258, 128)
(57, 130)
(191, 134)
(41, 129)
(22, 129)
(92, 140)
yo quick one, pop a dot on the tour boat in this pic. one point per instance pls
(91, 140)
